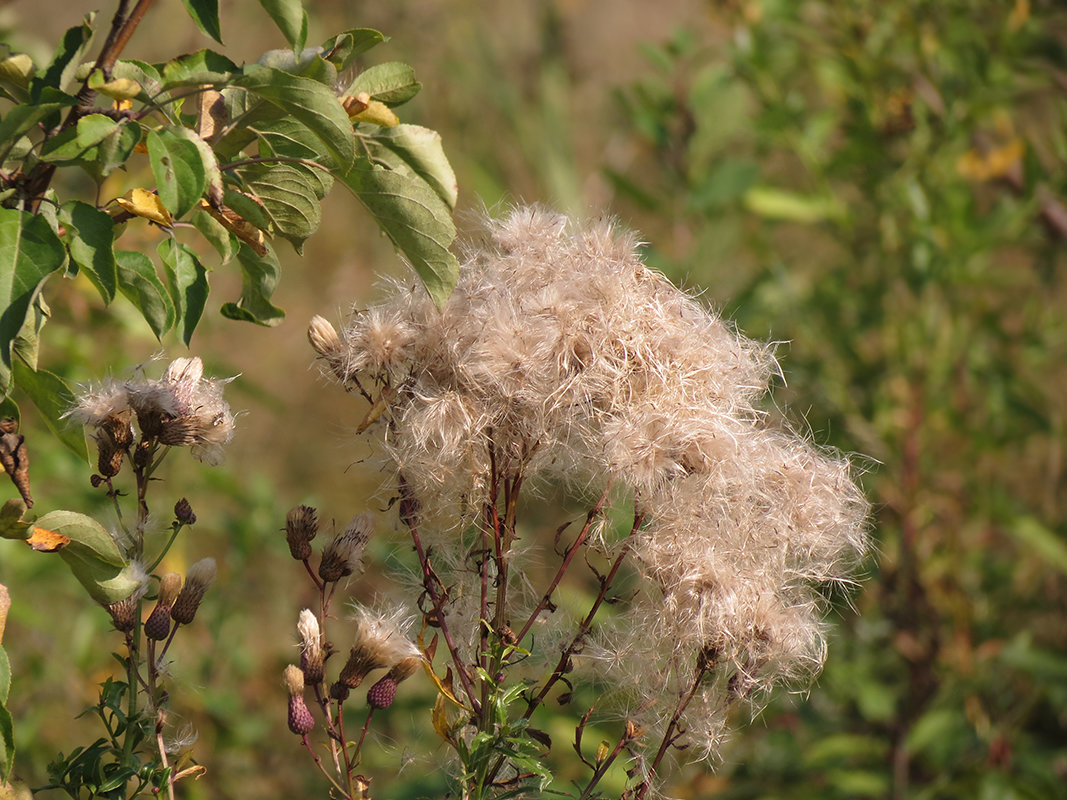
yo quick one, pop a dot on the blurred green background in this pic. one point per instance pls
(877, 185)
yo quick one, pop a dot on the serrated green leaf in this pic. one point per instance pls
(53, 398)
(187, 280)
(140, 284)
(224, 242)
(205, 14)
(392, 83)
(29, 252)
(291, 19)
(307, 101)
(344, 48)
(91, 243)
(259, 277)
(23, 118)
(178, 169)
(419, 151)
(415, 219)
(290, 195)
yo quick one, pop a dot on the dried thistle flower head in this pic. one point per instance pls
(381, 641)
(157, 626)
(561, 353)
(301, 525)
(325, 341)
(344, 554)
(197, 581)
(180, 409)
(312, 656)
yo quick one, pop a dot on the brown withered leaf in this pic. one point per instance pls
(15, 459)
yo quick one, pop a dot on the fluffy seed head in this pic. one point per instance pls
(381, 641)
(312, 657)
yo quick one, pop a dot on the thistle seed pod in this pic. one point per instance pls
(301, 525)
(157, 626)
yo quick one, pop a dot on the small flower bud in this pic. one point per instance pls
(344, 554)
(157, 626)
(382, 694)
(300, 720)
(201, 575)
(183, 512)
(338, 691)
(301, 525)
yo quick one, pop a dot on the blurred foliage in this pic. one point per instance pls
(877, 184)
(880, 185)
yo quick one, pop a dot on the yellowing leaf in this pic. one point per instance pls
(377, 113)
(46, 541)
(239, 226)
(143, 203)
(120, 89)
(1020, 13)
(441, 723)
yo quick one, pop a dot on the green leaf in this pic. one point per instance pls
(392, 83)
(205, 14)
(259, 277)
(140, 284)
(773, 203)
(68, 57)
(93, 556)
(212, 172)
(5, 685)
(91, 243)
(307, 101)
(193, 69)
(344, 48)
(224, 242)
(178, 169)
(290, 196)
(113, 151)
(1042, 542)
(248, 208)
(16, 71)
(7, 728)
(23, 118)
(53, 398)
(188, 284)
(415, 219)
(307, 64)
(418, 151)
(29, 252)
(145, 74)
(11, 524)
(291, 19)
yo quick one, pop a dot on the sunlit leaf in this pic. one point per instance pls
(290, 195)
(205, 14)
(291, 19)
(392, 83)
(23, 118)
(377, 113)
(418, 150)
(344, 48)
(116, 89)
(307, 101)
(415, 218)
(178, 168)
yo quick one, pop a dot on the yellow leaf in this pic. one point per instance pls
(439, 716)
(1020, 13)
(120, 89)
(46, 541)
(143, 203)
(602, 751)
(239, 226)
(378, 113)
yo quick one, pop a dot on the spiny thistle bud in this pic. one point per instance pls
(157, 626)
(382, 694)
(300, 720)
(301, 525)
(183, 512)
(312, 658)
(344, 554)
(200, 576)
